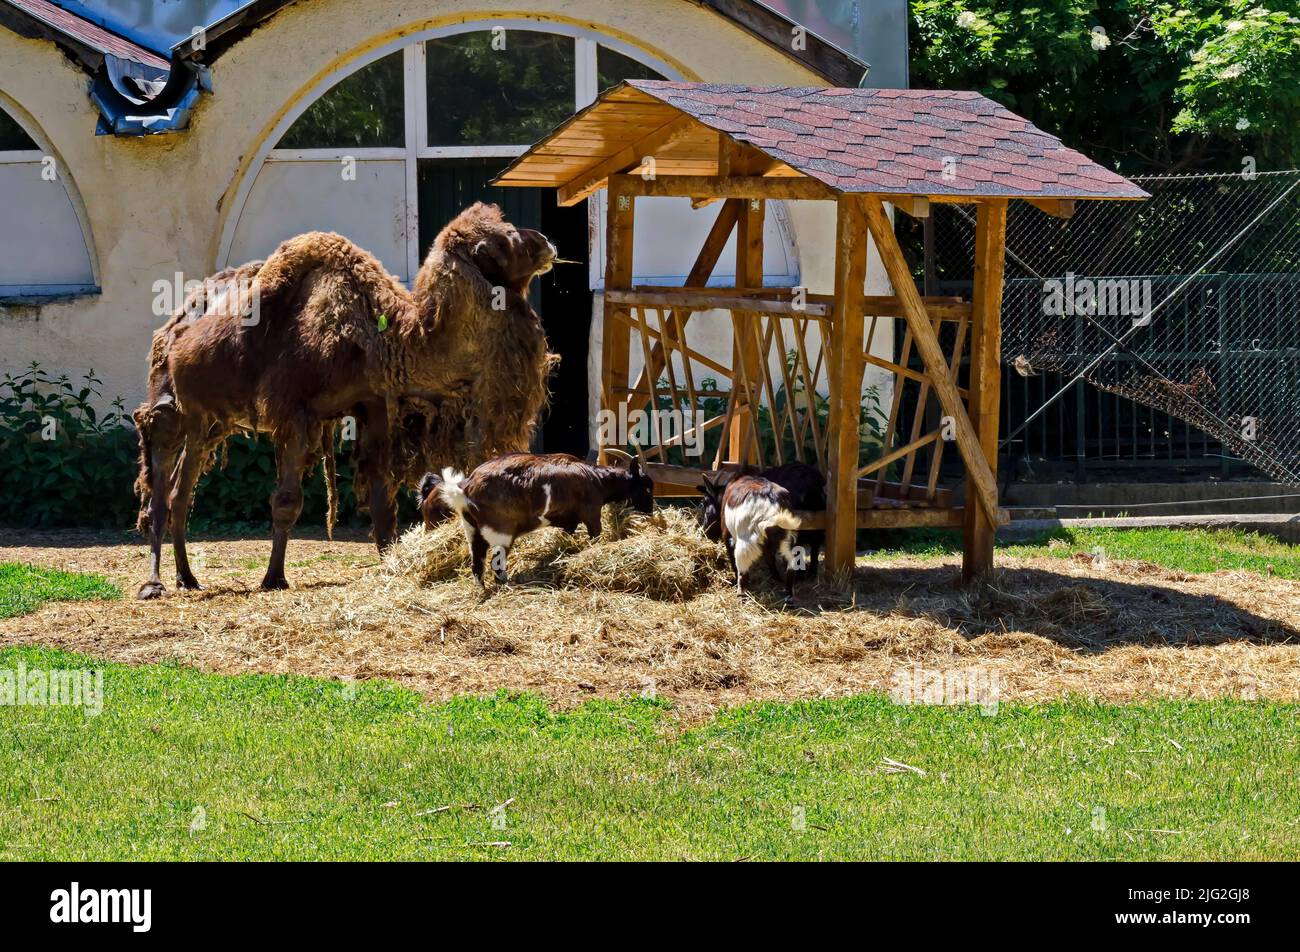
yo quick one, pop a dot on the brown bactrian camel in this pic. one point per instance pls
(451, 374)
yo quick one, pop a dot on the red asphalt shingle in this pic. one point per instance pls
(88, 33)
(895, 140)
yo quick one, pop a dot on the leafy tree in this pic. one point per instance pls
(1140, 85)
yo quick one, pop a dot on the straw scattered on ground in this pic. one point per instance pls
(647, 608)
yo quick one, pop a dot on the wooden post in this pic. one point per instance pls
(616, 341)
(846, 365)
(744, 352)
(985, 374)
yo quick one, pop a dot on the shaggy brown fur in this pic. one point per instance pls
(462, 360)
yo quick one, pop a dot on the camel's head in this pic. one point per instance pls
(505, 255)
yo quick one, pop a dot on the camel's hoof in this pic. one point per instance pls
(150, 590)
(191, 585)
(274, 584)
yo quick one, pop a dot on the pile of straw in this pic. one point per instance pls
(663, 556)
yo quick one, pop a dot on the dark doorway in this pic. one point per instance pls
(566, 314)
(562, 297)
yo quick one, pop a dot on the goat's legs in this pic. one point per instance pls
(291, 457)
(187, 474)
(730, 545)
(782, 570)
(478, 548)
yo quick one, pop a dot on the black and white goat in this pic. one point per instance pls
(510, 496)
(807, 487)
(759, 524)
(433, 508)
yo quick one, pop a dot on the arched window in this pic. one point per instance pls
(43, 251)
(363, 110)
(392, 149)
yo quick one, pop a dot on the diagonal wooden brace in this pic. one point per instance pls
(936, 365)
(698, 277)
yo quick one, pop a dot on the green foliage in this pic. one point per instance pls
(363, 110)
(64, 463)
(24, 588)
(481, 94)
(1140, 85)
(12, 136)
(1245, 69)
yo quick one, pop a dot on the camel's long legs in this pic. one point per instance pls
(374, 463)
(164, 443)
(292, 449)
(187, 474)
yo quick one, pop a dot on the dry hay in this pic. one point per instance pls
(1042, 627)
(664, 556)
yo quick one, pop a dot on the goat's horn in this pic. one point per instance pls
(618, 454)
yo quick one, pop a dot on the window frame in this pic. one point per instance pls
(22, 293)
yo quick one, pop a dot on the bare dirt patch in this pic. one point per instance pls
(1042, 627)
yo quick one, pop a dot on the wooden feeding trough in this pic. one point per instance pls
(794, 380)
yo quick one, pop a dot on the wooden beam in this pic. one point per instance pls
(745, 356)
(739, 186)
(868, 494)
(616, 335)
(985, 376)
(927, 345)
(931, 518)
(705, 300)
(590, 180)
(1056, 207)
(846, 369)
(914, 206)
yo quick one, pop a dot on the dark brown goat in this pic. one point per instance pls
(321, 330)
(758, 523)
(512, 495)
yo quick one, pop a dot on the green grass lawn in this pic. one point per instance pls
(183, 765)
(23, 588)
(1188, 550)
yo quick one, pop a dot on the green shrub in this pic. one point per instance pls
(63, 463)
(66, 465)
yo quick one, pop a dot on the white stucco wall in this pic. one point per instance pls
(156, 206)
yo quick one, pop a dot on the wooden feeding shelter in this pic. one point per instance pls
(795, 376)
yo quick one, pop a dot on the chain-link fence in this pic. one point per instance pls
(1164, 331)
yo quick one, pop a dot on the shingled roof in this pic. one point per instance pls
(883, 141)
(87, 42)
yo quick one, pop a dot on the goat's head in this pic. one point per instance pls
(640, 487)
(710, 515)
